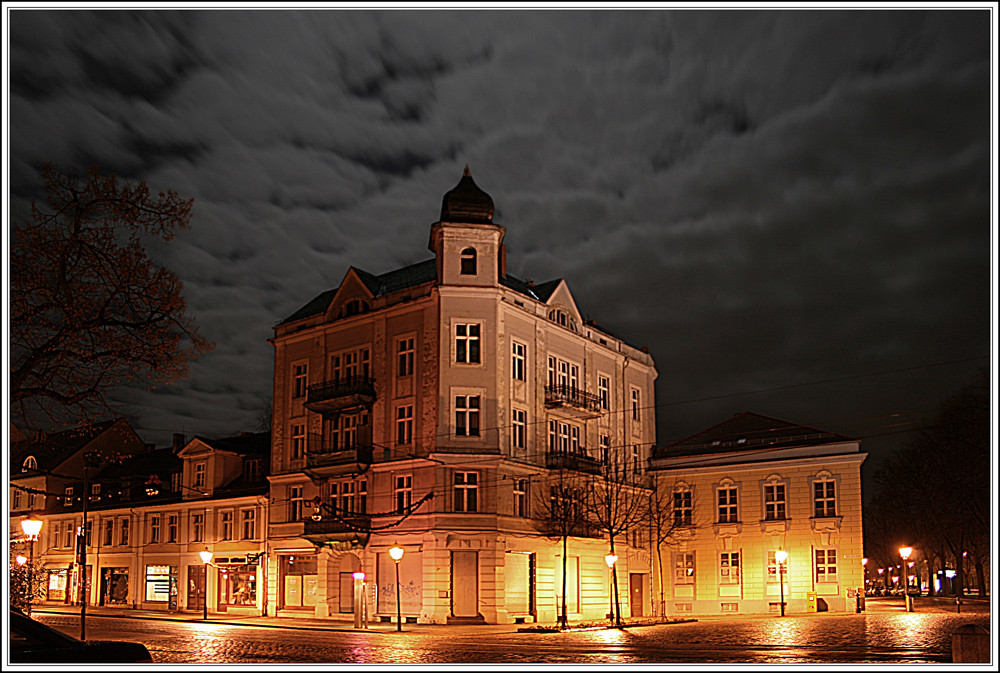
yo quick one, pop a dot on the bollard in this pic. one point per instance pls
(970, 644)
(958, 604)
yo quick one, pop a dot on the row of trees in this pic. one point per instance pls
(934, 494)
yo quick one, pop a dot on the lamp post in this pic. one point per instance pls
(396, 553)
(206, 558)
(31, 527)
(905, 552)
(781, 556)
(610, 559)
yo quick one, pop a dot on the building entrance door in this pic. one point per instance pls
(635, 594)
(196, 587)
(465, 583)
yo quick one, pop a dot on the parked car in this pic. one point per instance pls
(33, 642)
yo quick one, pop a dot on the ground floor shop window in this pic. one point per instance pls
(55, 588)
(158, 583)
(298, 580)
(238, 587)
(114, 586)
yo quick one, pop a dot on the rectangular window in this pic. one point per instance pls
(683, 508)
(404, 493)
(158, 584)
(298, 440)
(605, 442)
(249, 517)
(604, 391)
(521, 497)
(404, 424)
(518, 430)
(563, 437)
(772, 567)
(294, 503)
(70, 534)
(154, 528)
(825, 498)
(517, 361)
(404, 356)
(68, 496)
(15, 497)
(553, 435)
(727, 505)
(199, 475)
(363, 496)
(351, 365)
(89, 529)
(227, 526)
(172, 528)
(466, 491)
(300, 380)
(635, 404)
(635, 459)
(684, 568)
(347, 496)
(467, 415)
(729, 567)
(251, 469)
(109, 532)
(95, 492)
(197, 527)
(123, 539)
(774, 502)
(467, 343)
(826, 565)
(334, 501)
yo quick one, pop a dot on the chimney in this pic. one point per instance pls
(178, 441)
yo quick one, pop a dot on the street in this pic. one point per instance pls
(883, 634)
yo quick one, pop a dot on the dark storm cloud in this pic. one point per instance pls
(764, 198)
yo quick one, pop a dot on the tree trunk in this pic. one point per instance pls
(663, 603)
(563, 621)
(981, 577)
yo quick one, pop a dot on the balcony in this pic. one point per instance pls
(578, 403)
(326, 459)
(577, 462)
(332, 397)
(346, 530)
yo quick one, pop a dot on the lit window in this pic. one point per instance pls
(467, 415)
(728, 511)
(825, 498)
(469, 262)
(729, 567)
(466, 491)
(774, 502)
(467, 343)
(826, 565)
(684, 568)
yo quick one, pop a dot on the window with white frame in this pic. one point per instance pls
(773, 568)
(154, 528)
(344, 430)
(774, 502)
(636, 406)
(249, 521)
(729, 567)
(226, 532)
(199, 474)
(294, 503)
(728, 509)
(404, 424)
(825, 497)
(826, 565)
(405, 350)
(636, 462)
(466, 491)
(197, 527)
(298, 440)
(467, 415)
(70, 534)
(517, 361)
(521, 497)
(604, 391)
(605, 442)
(109, 532)
(683, 507)
(563, 375)
(300, 379)
(15, 498)
(403, 493)
(348, 496)
(172, 528)
(68, 496)
(123, 527)
(350, 365)
(518, 430)
(684, 567)
(467, 343)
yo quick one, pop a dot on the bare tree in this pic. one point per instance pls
(562, 516)
(664, 522)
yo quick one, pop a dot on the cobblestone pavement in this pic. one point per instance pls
(884, 633)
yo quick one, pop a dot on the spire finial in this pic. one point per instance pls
(467, 173)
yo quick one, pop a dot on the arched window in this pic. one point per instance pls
(29, 464)
(561, 317)
(469, 262)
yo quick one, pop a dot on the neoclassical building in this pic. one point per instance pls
(432, 407)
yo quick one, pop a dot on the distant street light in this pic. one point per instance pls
(206, 558)
(396, 553)
(908, 601)
(781, 556)
(31, 527)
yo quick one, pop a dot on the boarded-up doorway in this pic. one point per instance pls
(465, 584)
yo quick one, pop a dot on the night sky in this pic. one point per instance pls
(791, 209)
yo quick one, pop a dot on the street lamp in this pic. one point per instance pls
(907, 601)
(610, 559)
(206, 558)
(31, 527)
(781, 556)
(396, 553)
(360, 604)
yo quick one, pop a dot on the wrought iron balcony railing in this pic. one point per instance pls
(555, 460)
(341, 394)
(563, 394)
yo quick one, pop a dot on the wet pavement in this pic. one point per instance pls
(884, 633)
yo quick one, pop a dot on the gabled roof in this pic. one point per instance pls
(748, 431)
(245, 444)
(51, 451)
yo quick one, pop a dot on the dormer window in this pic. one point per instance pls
(354, 307)
(563, 318)
(251, 469)
(29, 464)
(469, 262)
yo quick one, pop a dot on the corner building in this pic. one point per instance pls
(432, 407)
